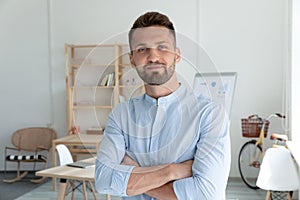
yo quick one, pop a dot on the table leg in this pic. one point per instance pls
(62, 189)
(53, 164)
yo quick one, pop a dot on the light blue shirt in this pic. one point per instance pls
(170, 129)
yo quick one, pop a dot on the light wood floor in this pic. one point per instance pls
(236, 190)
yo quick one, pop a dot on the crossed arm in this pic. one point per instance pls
(156, 181)
(211, 165)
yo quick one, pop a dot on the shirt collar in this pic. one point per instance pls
(174, 96)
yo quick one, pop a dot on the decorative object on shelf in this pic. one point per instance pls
(95, 130)
(74, 130)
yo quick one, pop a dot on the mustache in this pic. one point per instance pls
(155, 64)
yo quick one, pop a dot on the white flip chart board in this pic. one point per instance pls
(218, 87)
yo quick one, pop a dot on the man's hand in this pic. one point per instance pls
(129, 161)
(182, 170)
(155, 180)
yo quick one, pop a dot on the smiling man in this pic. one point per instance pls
(168, 143)
(154, 54)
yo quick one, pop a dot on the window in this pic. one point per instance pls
(295, 71)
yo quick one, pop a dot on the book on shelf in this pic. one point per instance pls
(108, 80)
(104, 80)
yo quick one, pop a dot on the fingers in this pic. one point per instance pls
(129, 161)
(188, 163)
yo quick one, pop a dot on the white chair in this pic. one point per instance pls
(65, 157)
(278, 174)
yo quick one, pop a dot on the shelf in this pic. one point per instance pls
(88, 98)
(95, 45)
(92, 87)
(130, 86)
(92, 107)
(76, 66)
(104, 87)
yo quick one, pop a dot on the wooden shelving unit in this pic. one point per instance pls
(89, 98)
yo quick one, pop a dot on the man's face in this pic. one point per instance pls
(154, 54)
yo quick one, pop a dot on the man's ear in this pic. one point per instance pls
(131, 59)
(177, 55)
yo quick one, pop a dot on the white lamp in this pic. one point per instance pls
(278, 171)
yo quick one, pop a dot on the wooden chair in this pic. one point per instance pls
(30, 145)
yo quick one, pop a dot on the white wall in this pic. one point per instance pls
(248, 37)
(24, 70)
(245, 37)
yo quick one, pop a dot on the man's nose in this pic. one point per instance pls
(153, 55)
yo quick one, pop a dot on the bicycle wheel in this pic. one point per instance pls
(250, 158)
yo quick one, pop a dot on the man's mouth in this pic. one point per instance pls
(154, 66)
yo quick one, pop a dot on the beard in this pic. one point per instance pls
(156, 77)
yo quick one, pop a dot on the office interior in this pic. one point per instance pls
(256, 39)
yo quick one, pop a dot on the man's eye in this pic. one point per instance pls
(162, 47)
(141, 49)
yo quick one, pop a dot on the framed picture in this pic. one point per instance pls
(218, 87)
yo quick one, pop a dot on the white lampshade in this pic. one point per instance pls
(278, 171)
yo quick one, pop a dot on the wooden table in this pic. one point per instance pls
(78, 144)
(72, 173)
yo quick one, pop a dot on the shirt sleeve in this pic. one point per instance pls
(211, 161)
(110, 176)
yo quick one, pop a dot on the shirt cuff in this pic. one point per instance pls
(120, 179)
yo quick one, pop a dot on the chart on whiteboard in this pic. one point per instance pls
(218, 87)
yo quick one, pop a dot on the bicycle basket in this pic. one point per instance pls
(252, 125)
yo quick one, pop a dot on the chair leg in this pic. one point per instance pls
(93, 190)
(34, 165)
(16, 179)
(5, 166)
(288, 195)
(67, 188)
(38, 180)
(73, 188)
(268, 196)
(84, 190)
(19, 176)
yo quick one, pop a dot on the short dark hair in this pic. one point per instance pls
(152, 19)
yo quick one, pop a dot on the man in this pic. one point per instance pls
(168, 143)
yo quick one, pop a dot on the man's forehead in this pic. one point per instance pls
(150, 35)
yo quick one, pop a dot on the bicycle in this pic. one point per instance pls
(252, 152)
